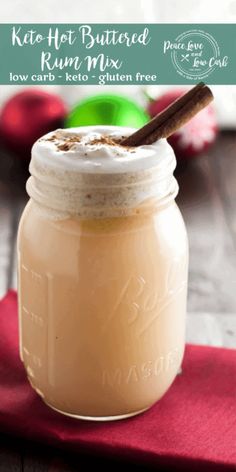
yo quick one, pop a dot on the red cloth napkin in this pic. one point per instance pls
(194, 425)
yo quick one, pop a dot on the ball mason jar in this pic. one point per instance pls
(102, 274)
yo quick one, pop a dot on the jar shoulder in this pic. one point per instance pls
(163, 230)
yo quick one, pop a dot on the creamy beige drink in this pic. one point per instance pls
(103, 261)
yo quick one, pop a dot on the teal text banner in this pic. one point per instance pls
(117, 54)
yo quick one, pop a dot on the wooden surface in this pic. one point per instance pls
(207, 200)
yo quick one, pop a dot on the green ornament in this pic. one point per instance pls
(106, 109)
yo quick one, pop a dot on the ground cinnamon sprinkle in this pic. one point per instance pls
(70, 141)
(52, 138)
(111, 142)
(104, 140)
(74, 139)
(65, 146)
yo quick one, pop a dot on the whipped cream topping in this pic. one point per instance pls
(86, 171)
(86, 150)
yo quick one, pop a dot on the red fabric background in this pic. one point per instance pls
(194, 425)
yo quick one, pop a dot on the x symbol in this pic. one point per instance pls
(185, 57)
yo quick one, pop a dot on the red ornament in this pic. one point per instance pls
(196, 136)
(27, 116)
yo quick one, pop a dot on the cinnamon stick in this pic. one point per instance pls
(172, 118)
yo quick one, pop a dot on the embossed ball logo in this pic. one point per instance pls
(195, 54)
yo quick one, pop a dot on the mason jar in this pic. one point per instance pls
(102, 273)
